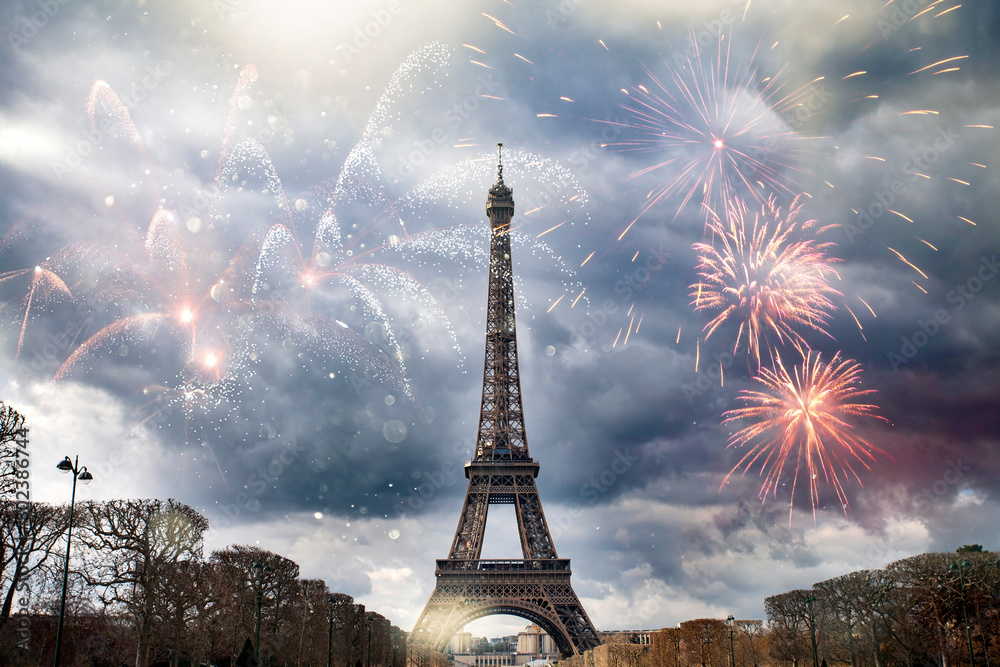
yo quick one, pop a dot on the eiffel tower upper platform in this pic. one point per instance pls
(537, 586)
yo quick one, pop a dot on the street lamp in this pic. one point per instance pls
(732, 653)
(812, 629)
(78, 473)
(368, 622)
(960, 568)
(260, 569)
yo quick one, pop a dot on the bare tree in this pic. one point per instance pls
(13, 454)
(277, 587)
(750, 642)
(924, 581)
(846, 601)
(705, 642)
(130, 546)
(664, 648)
(788, 618)
(29, 536)
(180, 609)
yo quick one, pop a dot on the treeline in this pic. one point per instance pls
(140, 592)
(935, 608)
(932, 609)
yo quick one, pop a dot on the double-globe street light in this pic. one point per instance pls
(78, 473)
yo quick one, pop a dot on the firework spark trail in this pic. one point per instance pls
(766, 274)
(361, 175)
(558, 193)
(281, 269)
(103, 97)
(251, 154)
(162, 290)
(373, 270)
(44, 282)
(126, 326)
(805, 415)
(723, 128)
(237, 102)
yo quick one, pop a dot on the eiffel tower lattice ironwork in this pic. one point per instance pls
(537, 586)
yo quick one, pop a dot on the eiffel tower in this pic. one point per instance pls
(537, 586)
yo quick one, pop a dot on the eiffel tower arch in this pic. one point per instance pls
(537, 586)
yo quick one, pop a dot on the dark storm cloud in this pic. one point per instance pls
(628, 436)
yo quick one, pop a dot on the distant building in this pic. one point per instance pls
(535, 642)
(461, 643)
(625, 636)
(531, 644)
(486, 660)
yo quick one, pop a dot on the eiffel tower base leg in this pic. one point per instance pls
(537, 590)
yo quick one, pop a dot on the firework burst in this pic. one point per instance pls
(719, 126)
(44, 284)
(770, 275)
(805, 415)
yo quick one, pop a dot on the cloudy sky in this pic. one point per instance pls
(244, 251)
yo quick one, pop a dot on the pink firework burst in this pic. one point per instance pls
(805, 415)
(719, 126)
(768, 273)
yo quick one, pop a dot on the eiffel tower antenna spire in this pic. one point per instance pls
(537, 586)
(500, 164)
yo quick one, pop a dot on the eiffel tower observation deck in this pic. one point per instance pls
(537, 586)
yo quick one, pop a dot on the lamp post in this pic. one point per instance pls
(732, 653)
(260, 569)
(812, 629)
(960, 568)
(368, 622)
(78, 473)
